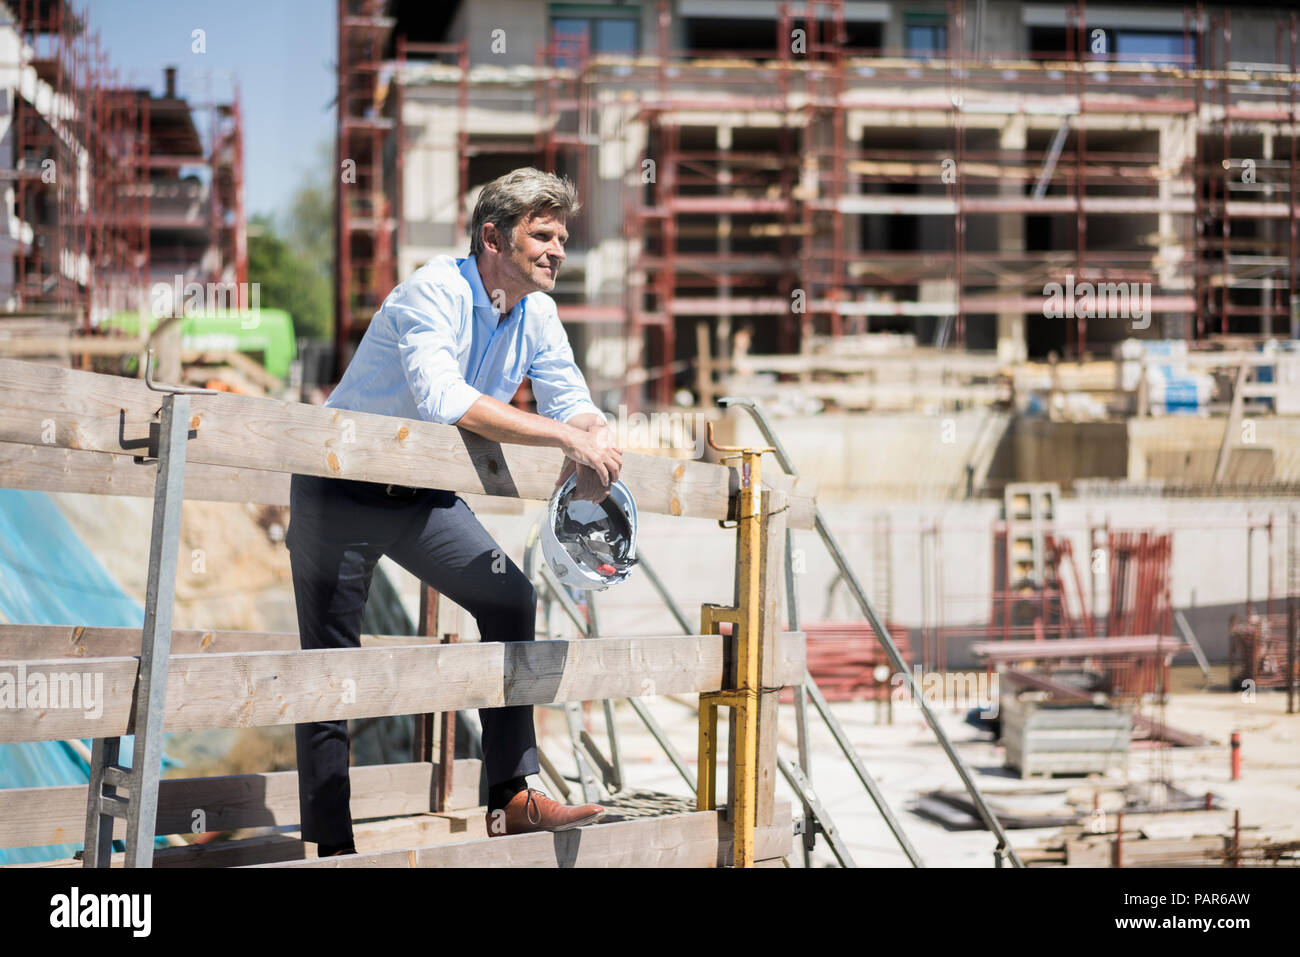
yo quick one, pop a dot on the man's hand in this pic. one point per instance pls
(597, 462)
(589, 487)
(594, 450)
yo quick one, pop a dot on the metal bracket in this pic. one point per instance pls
(172, 389)
(168, 390)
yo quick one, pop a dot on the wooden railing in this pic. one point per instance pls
(75, 431)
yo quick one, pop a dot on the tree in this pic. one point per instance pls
(289, 281)
(292, 253)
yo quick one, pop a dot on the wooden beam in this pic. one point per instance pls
(266, 688)
(412, 830)
(262, 849)
(48, 468)
(695, 839)
(34, 817)
(44, 405)
(685, 844)
(72, 345)
(244, 364)
(22, 642)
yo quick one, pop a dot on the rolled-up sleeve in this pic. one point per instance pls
(425, 321)
(557, 381)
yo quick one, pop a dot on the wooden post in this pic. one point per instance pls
(446, 746)
(704, 365)
(743, 683)
(422, 739)
(770, 619)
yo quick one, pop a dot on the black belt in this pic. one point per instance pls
(381, 490)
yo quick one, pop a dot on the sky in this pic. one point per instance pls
(281, 53)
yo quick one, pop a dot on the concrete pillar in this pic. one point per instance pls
(1177, 145)
(1011, 239)
(724, 244)
(1271, 228)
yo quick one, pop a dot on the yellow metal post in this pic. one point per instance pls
(742, 697)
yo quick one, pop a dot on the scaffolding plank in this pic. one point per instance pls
(92, 699)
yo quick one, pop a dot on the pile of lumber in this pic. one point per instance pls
(1077, 806)
(1180, 839)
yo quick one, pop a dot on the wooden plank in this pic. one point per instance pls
(801, 496)
(266, 688)
(262, 849)
(44, 405)
(682, 840)
(370, 836)
(72, 345)
(48, 468)
(34, 817)
(1095, 852)
(20, 642)
(696, 839)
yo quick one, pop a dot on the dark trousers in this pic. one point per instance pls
(338, 530)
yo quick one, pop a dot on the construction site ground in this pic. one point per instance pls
(906, 761)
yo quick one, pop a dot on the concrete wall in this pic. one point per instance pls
(1046, 451)
(1209, 573)
(1201, 437)
(857, 457)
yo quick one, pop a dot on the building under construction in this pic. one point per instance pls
(954, 271)
(798, 170)
(109, 186)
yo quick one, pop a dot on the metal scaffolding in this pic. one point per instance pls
(822, 188)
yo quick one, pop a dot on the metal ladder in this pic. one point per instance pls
(140, 806)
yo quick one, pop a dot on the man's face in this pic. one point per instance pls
(538, 250)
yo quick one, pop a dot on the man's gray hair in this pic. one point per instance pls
(521, 193)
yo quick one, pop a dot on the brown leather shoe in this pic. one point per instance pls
(531, 810)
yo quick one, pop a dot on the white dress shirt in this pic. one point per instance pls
(435, 346)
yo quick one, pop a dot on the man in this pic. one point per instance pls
(451, 345)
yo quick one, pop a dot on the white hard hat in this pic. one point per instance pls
(590, 545)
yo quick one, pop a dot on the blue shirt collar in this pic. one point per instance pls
(483, 308)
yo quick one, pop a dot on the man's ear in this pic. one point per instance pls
(492, 237)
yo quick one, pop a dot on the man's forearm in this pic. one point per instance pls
(588, 421)
(504, 423)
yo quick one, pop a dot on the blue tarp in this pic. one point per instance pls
(49, 577)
